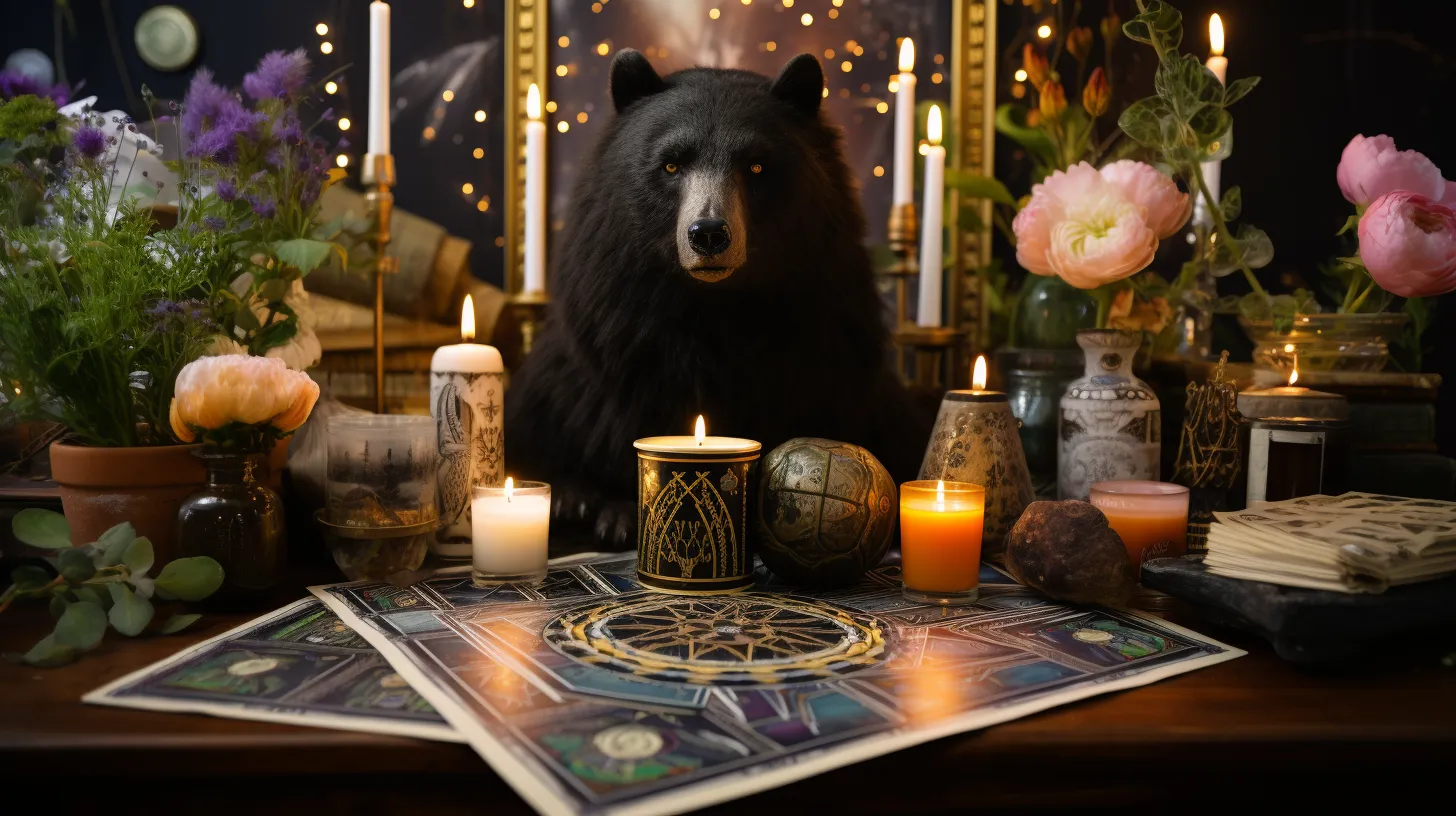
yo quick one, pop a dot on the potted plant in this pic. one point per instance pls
(100, 309)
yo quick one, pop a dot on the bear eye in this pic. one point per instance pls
(756, 169)
(670, 168)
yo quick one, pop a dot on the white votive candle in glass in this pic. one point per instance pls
(511, 526)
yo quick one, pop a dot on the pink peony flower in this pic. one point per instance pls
(1090, 230)
(215, 391)
(1408, 243)
(1449, 199)
(1370, 167)
(1167, 208)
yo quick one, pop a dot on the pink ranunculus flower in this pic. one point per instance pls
(1370, 167)
(1408, 243)
(1167, 207)
(212, 392)
(1084, 228)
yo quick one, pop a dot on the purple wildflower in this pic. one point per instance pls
(344, 143)
(90, 142)
(279, 75)
(214, 223)
(219, 141)
(14, 83)
(205, 102)
(264, 207)
(287, 129)
(226, 190)
(327, 115)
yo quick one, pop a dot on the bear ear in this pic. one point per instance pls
(801, 84)
(632, 78)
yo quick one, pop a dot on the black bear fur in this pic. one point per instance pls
(793, 343)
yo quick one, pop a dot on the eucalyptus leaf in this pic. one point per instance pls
(82, 626)
(190, 579)
(58, 606)
(113, 543)
(75, 565)
(1232, 203)
(86, 593)
(1256, 248)
(139, 557)
(304, 254)
(129, 613)
(1238, 89)
(177, 623)
(29, 576)
(45, 529)
(48, 652)
(143, 585)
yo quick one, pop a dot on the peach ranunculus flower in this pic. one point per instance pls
(1408, 244)
(1130, 313)
(213, 392)
(1370, 167)
(1092, 228)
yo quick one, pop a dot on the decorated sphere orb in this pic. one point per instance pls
(826, 512)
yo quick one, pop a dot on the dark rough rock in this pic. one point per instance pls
(1065, 550)
(1309, 625)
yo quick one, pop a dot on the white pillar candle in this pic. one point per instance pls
(379, 78)
(905, 125)
(467, 386)
(1212, 170)
(512, 526)
(932, 218)
(535, 279)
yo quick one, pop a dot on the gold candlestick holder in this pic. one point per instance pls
(928, 348)
(378, 178)
(903, 235)
(530, 311)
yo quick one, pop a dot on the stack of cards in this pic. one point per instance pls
(1357, 542)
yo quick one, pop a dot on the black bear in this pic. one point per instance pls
(713, 262)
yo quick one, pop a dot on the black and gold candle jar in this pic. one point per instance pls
(692, 512)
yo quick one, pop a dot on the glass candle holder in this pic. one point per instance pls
(510, 528)
(940, 541)
(1151, 517)
(381, 470)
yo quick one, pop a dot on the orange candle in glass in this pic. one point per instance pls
(940, 540)
(1151, 517)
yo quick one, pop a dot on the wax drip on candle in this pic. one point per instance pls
(700, 430)
(510, 488)
(467, 320)
(978, 373)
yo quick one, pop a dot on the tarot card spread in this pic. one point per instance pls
(299, 665)
(590, 695)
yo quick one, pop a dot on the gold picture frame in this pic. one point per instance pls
(971, 149)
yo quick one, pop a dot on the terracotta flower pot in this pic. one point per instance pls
(102, 487)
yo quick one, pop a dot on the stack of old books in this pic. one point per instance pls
(1357, 542)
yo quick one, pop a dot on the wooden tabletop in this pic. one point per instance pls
(1384, 729)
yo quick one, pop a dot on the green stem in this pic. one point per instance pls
(1221, 227)
(1104, 295)
(1346, 304)
(1361, 299)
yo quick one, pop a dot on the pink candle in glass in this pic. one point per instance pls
(1151, 517)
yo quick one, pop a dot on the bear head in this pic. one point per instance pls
(707, 172)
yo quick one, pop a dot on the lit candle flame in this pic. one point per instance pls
(510, 487)
(533, 103)
(940, 494)
(907, 56)
(932, 125)
(1215, 35)
(700, 430)
(978, 374)
(1294, 374)
(467, 319)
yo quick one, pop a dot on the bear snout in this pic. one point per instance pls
(709, 236)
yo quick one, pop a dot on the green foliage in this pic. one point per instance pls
(41, 528)
(978, 186)
(1408, 352)
(100, 583)
(1186, 122)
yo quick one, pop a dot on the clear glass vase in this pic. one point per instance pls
(1326, 342)
(237, 520)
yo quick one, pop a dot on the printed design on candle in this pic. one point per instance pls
(689, 531)
(748, 639)
(973, 443)
(471, 432)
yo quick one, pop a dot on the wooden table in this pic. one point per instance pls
(1249, 732)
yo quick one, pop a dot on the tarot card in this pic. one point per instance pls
(299, 665)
